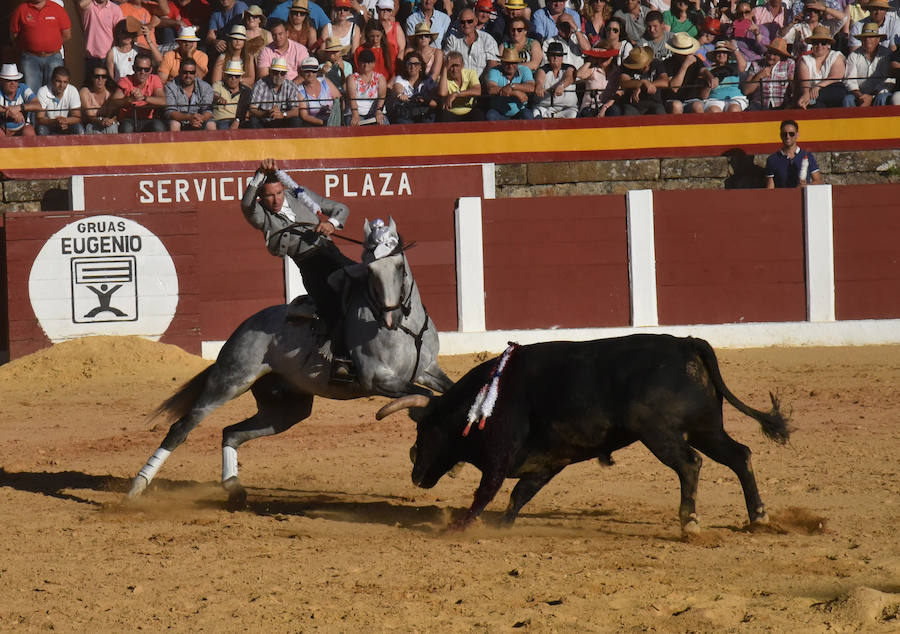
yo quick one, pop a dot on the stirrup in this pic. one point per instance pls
(342, 370)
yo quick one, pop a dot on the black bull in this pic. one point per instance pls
(564, 402)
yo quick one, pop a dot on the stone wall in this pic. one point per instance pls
(734, 170)
(578, 178)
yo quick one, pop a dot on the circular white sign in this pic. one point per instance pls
(103, 275)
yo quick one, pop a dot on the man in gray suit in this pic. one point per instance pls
(296, 222)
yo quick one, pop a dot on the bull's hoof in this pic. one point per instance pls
(237, 494)
(138, 486)
(456, 469)
(692, 526)
(760, 520)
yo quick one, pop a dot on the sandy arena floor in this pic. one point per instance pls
(337, 539)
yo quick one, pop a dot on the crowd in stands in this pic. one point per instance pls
(179, 65)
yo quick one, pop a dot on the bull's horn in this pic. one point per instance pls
(404, 402)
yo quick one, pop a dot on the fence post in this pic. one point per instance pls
(469, 265)
(641, 258)
(818, 221)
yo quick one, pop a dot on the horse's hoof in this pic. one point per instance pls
(138, 486)
(237, 494)
(692, 526)
(760, 519)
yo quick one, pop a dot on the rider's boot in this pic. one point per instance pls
(342, 370)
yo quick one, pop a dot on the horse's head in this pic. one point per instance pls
(389, 289)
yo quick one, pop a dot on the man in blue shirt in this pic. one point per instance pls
(785, 167)
(544, 21)
(509, 86)
(221, 21)
(316, 14)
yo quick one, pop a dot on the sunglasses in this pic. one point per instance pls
(100, 75)
(786, 133)
(614, 30)
(412, 63)
(142, 69)
(188, 72)
(467, 21)
(278, 72)
(339, 9)
(299, 12)
(518, 30)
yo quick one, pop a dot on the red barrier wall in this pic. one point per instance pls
(555, 262)
(26, 235)
(866, 251)
(726, 256)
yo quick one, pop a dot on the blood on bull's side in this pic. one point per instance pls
(565, 402)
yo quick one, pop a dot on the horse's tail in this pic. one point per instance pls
(774, 423)
(183, 400)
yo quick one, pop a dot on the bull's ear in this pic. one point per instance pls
(416, 414)
(366, 228)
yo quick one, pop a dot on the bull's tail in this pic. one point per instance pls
(181, 402)
(774, 422)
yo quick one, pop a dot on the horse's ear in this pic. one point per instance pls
(391, 224)
(367, 230)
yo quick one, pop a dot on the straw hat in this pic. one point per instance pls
(637, 58)
(279, 63)
(300, 5)
(870, 29)
(510, 57)
(234, 67)
(238, 32)
(682, 44)
(10, 72)
(877, 4)
(423, 28)
(721, 47)
(189, 34)
(779, 46)
(333, 44)
(309, 63)
(820, 34)
(515, 4)
(254, 9)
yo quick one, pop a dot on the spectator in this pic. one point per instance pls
(300, 27)
(257, 37)
(365, 91)
(96, 104)
(679, 19)
(236, 51)
(771, 18)
(318, 17)
(411, 97)
(803, 25)
(478, 48)
(709, 31)
(484, 14)
(572, 40)
(318, 96)
(276, 101)
(438, 21)
(17, 102)
(422, 42)
(186, 49)
(60, 106)
(684, 69)
(342, 26)
(170, 22)
(601, 72)
(643, 80)
(656, 37)
(895, 72)
(189, 100)
(527, 49)
(510, 87)
(220, 22)
(615, 39)
(335, 67)
(120, 57)
(868, 70)
(396, 38)
(594, 15)
(458, 89)
(498, 27)
(281, 48)
(633, 16)
(724, 79)
(39, 28)
(98, 21)
(790, 166)
(231, 98)
(745, 32)
(554, 87)
(147, 37)
(882, 14)
(136, 95)
(544, 20)
(375, 41)
(770, 80)
(195, 13)
(820, 75)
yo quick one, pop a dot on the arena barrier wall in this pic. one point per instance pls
(741, 268)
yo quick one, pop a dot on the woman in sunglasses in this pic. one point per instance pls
(236, 50)
(299, 26)
(528, 49)
(422, 42)
(343, 27)
(614, 34)
(410, 99)
(96, 110)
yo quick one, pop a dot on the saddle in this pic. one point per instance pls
(301, 308)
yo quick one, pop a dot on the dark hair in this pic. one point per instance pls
(187, 62)
(145, 56)
(271, 23)
(787, 122)
(406, 58)
(375, 25)
(60, 71)
(620, 22)
(654, 16)
(365, 55)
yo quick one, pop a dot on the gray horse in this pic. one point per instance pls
(285, 362)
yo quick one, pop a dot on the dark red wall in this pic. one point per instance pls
(725, 256)
(867, 251)
(26, 234)
(552, 262)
